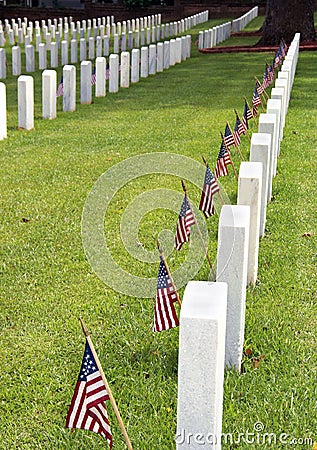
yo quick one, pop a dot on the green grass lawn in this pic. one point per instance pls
(47, 282)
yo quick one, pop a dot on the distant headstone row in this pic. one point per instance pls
(241, 22)
(83, 40)
(213, 314)
(215, 35)
(140, 63)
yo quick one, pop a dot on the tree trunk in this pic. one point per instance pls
(284, 19)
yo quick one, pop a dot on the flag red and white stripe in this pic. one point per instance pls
(87, 410)
(209, 189)
(185, 220)
(164, 312)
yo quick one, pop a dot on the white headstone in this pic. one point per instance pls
(49, 94)
(282, 84)
(135, 69)
(98, 46)
(85, 83)
(64, 53)
(152, 59)
(69, 82)
(116, 43)
(260, 151)
(82, 49)
(29, 58)
(26, 102)
(267, 124)
(232, 268)
(178, 50)
(113, 73)
(91, 48)
(3, 111)
(159, 56)
(201, 365)
(16, 60)
(279, 94)
(249, 194)
(125, 70)
(144, 62)
(3, 64)
(100, 90)
(106, 46)
(166, 63)
(274, 106)
(42, 56)
(73, 51)
(54, 55)
(172, 52)
(123, 42)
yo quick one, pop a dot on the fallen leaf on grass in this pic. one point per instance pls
(308, 234)
(248, 352)
(256, 361)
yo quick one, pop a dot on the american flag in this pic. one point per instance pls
(93, 77)
(164, 312)
(260, 87)
(228, 137)
(271, 73)
(237, 132)
(209, 189)
(87, 409)
(60, 88)
(265, 81)
(223, 161)
(239, 125)
(247, 115)
(256, 101)
(283, 48)
(185, 220)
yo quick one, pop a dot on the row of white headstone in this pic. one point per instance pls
(90, 47)
(96, 28)
(139, 64)
(215, 35)
(241, 22)
(212, 316)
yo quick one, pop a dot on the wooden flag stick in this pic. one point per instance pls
(228, 150)
(246, 132)
(199, 231)
(221, 197)
(241, 156)
(169, 273)
(111, 398)
(254, 117)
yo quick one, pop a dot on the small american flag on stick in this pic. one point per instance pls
(223, 161)
(185, 220)
(87, 409)
(164, 312)
(228, 136)
(209, 189)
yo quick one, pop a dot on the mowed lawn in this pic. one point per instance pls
(47, 282)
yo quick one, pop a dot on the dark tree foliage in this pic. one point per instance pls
(285, 18)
